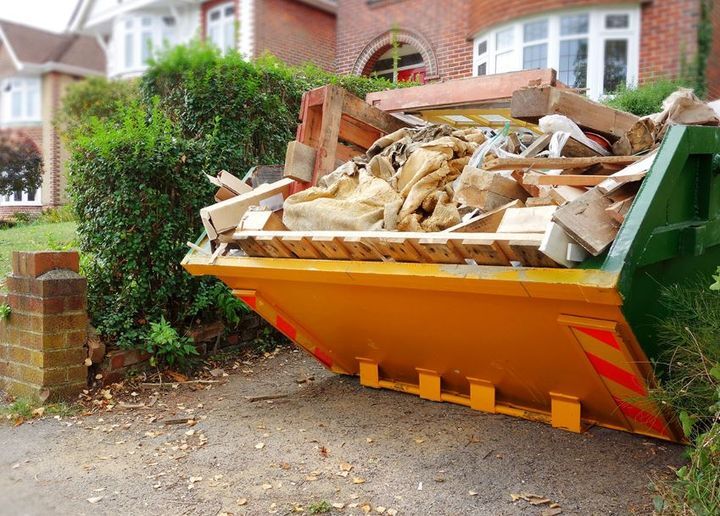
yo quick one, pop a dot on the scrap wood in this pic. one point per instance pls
(631, 173)
(618, 210)
(560, 247)
(526, 220)
(299, 161)
(485, 223)
(562, 193)
(531, 104)
(540, 144)
(564, 180)
(556, 163)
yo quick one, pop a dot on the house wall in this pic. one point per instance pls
(713, 67)
(443, 25)
(295, 32)
(35, 133)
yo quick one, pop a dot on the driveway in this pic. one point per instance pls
(280, 435)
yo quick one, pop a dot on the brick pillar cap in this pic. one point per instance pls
(36, 263)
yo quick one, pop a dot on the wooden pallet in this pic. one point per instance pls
(449, 248)
(338, 126)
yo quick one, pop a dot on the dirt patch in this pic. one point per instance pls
(320, 438)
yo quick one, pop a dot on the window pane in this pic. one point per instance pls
(617, 21)
(575, 24)
(482, 69)
(504, 62)
(17, 195)
(535, 56)
(214, 15)
(230, 10)
(573, 62)
(16, 103)
(31, 195)
(535, 30)
(229, 35)
(31, 103)
(147, 22)
(616, 61)
(504, 39)
(129, 53)
(146, 42)
(128, 24)
(214, 35)
(482, 47)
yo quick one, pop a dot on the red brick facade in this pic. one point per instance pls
(443, 25)
(668, 31)
(295, 32)
(713, 68)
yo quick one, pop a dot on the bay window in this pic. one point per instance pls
(220, 25)
(138, 36)
(21, 100)
(596, 50)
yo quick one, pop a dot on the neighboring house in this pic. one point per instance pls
(35, 68)
(297, 31)
(592, 44)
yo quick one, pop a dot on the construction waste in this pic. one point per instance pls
(545, 195)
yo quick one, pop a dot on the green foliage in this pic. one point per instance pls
(5, 311)
(167, 347)
(268, 339)
(55, 215)
(20, 162)
(690, 384)
(320, 507)
(645, 99)
(215, 297)
(24, 409)
(137, 187)
(704, 48)
(93, 98)
(244, 113)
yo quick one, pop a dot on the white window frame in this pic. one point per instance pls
(141, 29)
(597, 35)
(9, 200)
(222, 23)
(26, 86)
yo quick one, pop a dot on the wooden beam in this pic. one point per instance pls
(329, 132)
(565, 180)
(470, 91)
(371, 115)
(526, 220)
(556, 163)
(531, 104)
(486, 222)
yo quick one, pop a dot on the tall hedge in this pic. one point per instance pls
(136, 173)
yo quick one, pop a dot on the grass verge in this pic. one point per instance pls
(37, 236)
(23, 409)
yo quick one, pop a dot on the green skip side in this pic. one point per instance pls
(671, 233)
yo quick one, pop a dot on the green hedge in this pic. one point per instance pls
(136, 174)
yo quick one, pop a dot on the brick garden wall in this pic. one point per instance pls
(713, 68)
(42, 343)
(295, 32)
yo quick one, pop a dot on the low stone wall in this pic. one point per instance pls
(42, 342)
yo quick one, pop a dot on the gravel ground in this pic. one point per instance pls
(326, 440)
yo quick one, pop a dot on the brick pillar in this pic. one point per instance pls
(42, 343)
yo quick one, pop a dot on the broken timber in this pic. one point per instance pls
(557, 163)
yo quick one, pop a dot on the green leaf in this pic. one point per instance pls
(687, 422)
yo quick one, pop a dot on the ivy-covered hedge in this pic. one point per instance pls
(138, 154)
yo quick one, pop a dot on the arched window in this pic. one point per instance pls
(398, 55)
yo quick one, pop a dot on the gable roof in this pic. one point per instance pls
(39, 50)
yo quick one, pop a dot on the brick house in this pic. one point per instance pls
(592, 44)
(35, 68)
(296, 31)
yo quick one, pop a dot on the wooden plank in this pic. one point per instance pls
(273, 247)
(576, 149)
(358, 133)
(634, 172)
(250, 246)
(344, 153)
(545, 200)
(398, 248)
(562, 194)
(526, 220)
(233, 183)
(526, 252)
(556, 163)
(565, 180)
(540, 144)
(226, 215)
(301, 246)
(261, 220)
(369, 114)
(470, 91)
(361, 251)
(587, 222)
(440, 250)
(531, 104)
(486, 222)
(329, 132)
(299, 161)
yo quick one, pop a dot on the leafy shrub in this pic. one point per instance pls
(216, 298)
(167, 347)
(55, 215)
(20, 162)
(645, 99)
(136, 187)
(96, 97)
(243, 112)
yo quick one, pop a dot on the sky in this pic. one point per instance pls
(45, 14)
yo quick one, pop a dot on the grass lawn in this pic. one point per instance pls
(33, 237)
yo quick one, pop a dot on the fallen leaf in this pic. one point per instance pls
(551, 512)
(16, 465)
(344, 466)
(472, 493)
(260, 446)
(95, 499)
(267, 486)
(337, 505)
(380, 509)
(366, 508)
(242, 501)
(419, 441)
(392, 512)
(88, 362)
(358, 480)
(190, 433)
(218, 372)
(311, 478)
(195, 479)
(369, 439)
(354, 496)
